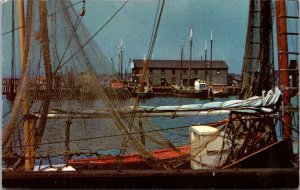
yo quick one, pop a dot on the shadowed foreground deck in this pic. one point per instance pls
(183, 179)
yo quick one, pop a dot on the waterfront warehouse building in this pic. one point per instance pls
(169, 72)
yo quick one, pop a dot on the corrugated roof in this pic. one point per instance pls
(170, 64)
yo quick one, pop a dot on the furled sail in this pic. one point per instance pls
(264, 104)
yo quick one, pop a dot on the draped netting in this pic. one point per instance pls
(258, 67)
(65, 110)
(66, 73)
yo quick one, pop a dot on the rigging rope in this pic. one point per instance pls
(145, 67)
(75, 26)
(294, 38)
(5, 33)
(96, 33)
(13, 69)
(108, 136)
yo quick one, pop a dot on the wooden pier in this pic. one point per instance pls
(76, 92)
(167, 90)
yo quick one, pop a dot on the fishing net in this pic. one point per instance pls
(258, 67)
(65, 110)
(64, 106)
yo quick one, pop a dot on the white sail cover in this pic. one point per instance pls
(263, 103)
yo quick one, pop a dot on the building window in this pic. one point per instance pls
(173, 80)
(150, 71)
(218, 72)
(162, 71)
(185, 82)
(185, 72)
(138, 71)
(150, 80)
(196, 72)
(163, 82)
(173, 71)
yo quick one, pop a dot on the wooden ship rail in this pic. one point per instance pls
(250, 178)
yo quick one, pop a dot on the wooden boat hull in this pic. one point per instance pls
(186, 178)
(264, 178)
(203, 94)
(143, 95)
(130, 161)
(221, 94)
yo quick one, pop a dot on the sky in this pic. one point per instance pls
(227, 19)
(134, 24)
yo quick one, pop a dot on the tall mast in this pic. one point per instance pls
(191, 49)
(211, 45)
(205, 54)
(48, 71)
(28, 123)
(21, 19)
(12, 77)
(120, 48)
(181, 60)
(283, 67)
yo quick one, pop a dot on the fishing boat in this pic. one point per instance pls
(99, 142)
(143, 89)
(220, 92)
(200, 88)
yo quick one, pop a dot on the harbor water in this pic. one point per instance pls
(93, 135)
